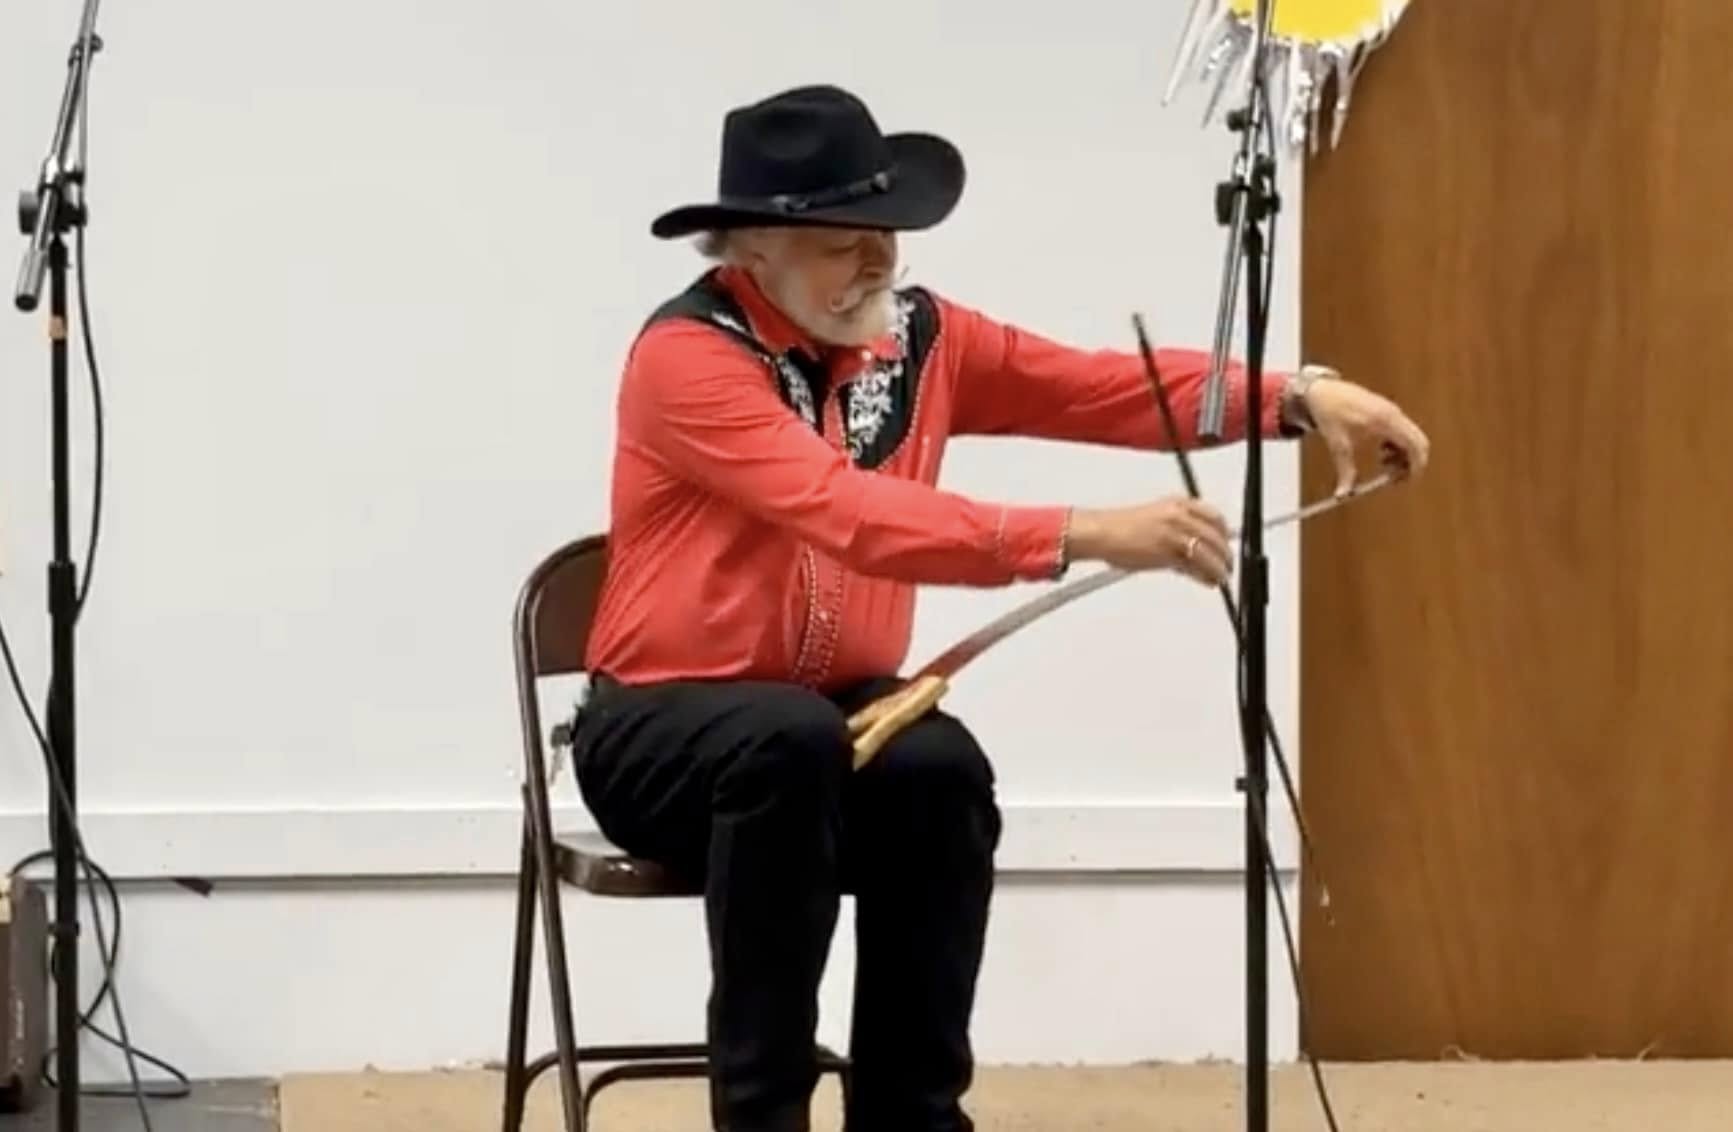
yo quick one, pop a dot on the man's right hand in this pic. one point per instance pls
(1179, 533)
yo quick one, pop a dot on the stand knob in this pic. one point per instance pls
(1225, 201)
(70, 214)
(28, 204)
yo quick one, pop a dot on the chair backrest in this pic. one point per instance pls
(555, 609)
(557, 606)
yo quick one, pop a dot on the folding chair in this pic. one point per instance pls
(552, 627)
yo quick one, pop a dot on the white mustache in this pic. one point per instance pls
(856, 295)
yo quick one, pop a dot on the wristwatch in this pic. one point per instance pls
(1295, 414)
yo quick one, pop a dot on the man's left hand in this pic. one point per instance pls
(1348, 417)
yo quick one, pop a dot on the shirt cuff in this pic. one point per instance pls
(1281, 422)
(1032, 542)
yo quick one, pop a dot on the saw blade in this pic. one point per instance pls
(949, 662)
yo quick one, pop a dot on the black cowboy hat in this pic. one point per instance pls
(814, 156)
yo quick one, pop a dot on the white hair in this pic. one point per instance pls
(713, 245)
(730, 245)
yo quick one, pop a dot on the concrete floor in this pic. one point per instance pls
(237, 1106)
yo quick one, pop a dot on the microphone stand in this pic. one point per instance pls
(1243, 203)
(46, 214)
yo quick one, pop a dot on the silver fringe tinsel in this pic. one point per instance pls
(1215, 49)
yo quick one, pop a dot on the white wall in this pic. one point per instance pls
(362, 277)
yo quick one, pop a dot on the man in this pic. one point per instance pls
(780, 429)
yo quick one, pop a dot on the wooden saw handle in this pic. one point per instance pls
(874, 725)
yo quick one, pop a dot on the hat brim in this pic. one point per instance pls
(928, 185)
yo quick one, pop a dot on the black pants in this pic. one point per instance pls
(750, 787)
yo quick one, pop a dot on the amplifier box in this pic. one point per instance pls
(23, 993)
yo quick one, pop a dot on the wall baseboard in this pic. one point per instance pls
(250, 980)
(479, 841)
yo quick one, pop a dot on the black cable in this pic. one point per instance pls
(87, 1018)
(104, 951)
(98, 430)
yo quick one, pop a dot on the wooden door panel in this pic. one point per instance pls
(1517, 744)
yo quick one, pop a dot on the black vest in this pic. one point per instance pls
(877, 404)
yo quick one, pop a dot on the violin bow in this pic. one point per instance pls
(1232, 607)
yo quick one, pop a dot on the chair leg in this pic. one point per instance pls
(517, 1033)
(559, 976)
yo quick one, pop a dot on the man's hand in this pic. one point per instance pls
(1348, 417)
(1178, 533)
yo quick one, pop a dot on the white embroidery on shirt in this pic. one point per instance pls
(799, 390)
(870, 403)
(723, 318)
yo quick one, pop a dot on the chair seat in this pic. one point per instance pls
(591, 862)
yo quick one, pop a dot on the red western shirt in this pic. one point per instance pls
(774, 503)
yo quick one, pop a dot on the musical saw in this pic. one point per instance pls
(874, 725)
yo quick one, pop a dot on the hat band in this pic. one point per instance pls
(879, 182)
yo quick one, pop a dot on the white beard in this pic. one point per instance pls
(865, 321)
